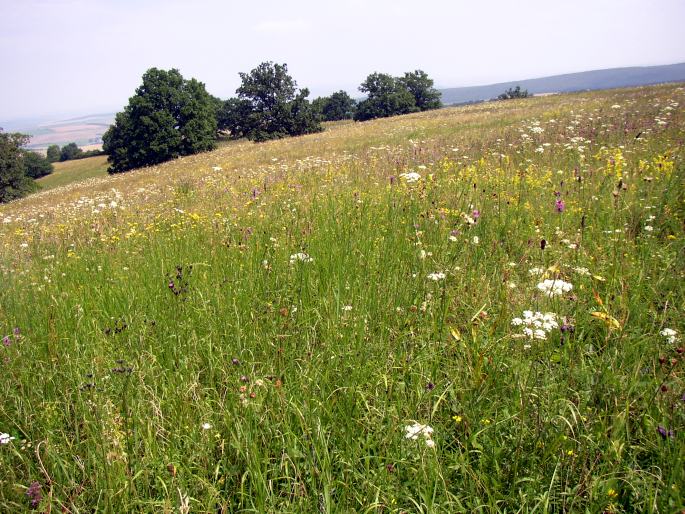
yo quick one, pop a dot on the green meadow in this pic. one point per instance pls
(473, 309)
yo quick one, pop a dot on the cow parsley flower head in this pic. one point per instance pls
(301, 257)
(416, 430)
(554, 287)
(536, 325)
(411, 177)
(670, 335)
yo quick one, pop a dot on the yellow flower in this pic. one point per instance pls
(457, 419)
(612, 494)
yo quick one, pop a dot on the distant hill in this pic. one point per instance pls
(585, 80)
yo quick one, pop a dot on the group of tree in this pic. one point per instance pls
(268, 106)
(69, 152)
(169, 116)
(390, 96)
(19, 167)
(512, 93)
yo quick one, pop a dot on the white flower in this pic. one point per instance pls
(216, 168)
(302, 257)
(411, 177)
(536, 325)
(615, 106)
(347, 308)
(536, 271)
(582, 271)
(437, 276)
(206, 426)
(417, 429)
(670, 335)
(259, 382)
(649, 228)
(475, 240)
(554, 287)
(453, 239)
(5, 438)
(517, 322)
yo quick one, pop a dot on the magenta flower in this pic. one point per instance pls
(475, 214)
(559, 205)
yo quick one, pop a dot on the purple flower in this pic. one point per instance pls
(430, 386)
(665, 433)
(475, 214)
(6, 341)
(392, 179)
(559, 205)
(16, 331)
(34, 495)
(235, 361)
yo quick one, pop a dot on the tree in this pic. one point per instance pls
(35, 165)
(512, 93)
(386, 96)
(69, 152)
(269, 107)
(13, 180)
(234, 117)
(54, 153)
(338, 106)
(167, 117)
(421, 87)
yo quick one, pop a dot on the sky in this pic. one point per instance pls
(76, 57)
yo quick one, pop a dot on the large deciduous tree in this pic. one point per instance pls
(338, 106)
(386, 96)
(35, 165)
(268, 106)
(13, 180)
(168, 117)
(420, 85)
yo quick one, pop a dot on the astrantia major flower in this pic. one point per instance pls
(554, 287)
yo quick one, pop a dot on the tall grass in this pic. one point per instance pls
(257, 338)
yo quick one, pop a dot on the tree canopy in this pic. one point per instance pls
(70, 152)
(53, 153)
(268, 106)
(338, 106)
(35, 165)
(390, 96)
(167, 117)
(14, 183)
(512, 93)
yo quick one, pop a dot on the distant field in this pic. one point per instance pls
(75, 171)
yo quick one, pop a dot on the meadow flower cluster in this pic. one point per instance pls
(536, 325)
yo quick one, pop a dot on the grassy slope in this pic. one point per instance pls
(151, 303)
(75, 171)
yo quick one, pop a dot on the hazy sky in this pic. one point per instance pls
(87, 56)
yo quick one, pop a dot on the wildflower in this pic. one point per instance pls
(206, 426)
(6, 341)
(235, 361)
(347, 308)
(556, 287)
(34, 494)
(430, 386)
(437, 276)
(536, 271)
(259, 382)
(457, 419)
(612, 494)
(301, 257)
(536, 325)
(411, 177)
(649, 228)
(417, 429)
(475, 240)
(559, 205)
(5, 438)
(670, 335)
(475, 214)
(665, 433)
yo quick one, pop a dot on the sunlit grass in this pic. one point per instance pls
(68, 172)
(300, 326)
